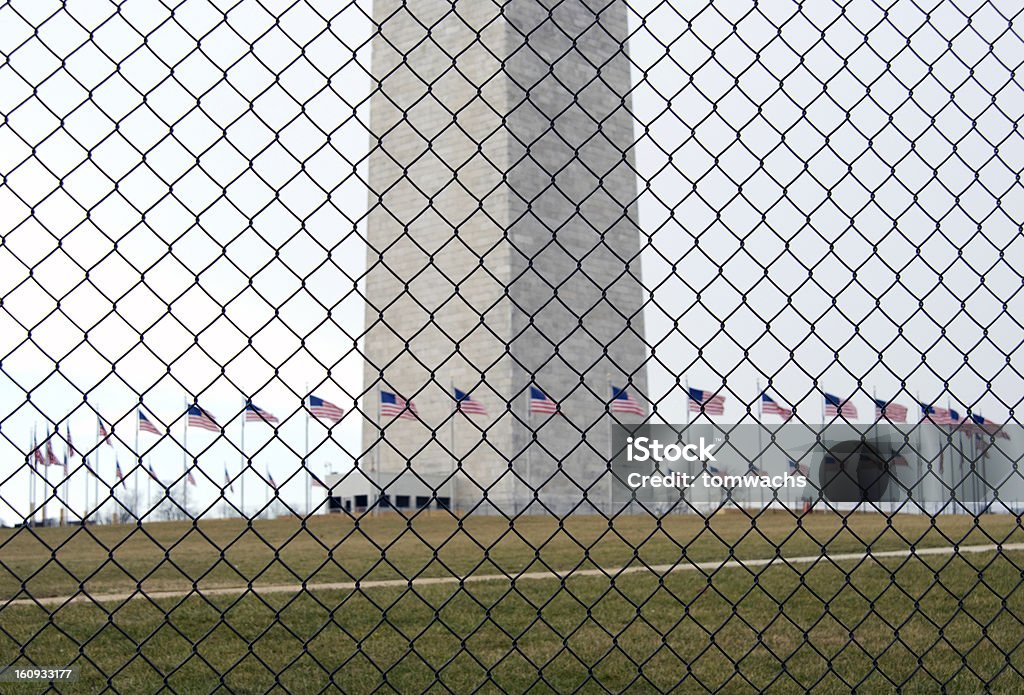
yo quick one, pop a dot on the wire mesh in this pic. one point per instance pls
(324, 324)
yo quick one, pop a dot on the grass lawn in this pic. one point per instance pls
(914, 623)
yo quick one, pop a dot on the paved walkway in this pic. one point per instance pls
(656, 570)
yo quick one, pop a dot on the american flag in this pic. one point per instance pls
(254, 414)
(324, 410)
(991, 428)
(69, 449)
(145, 425)
(887, 410)
(622, 402)
(835, 407)
(938, 416)
(467, 405)
(270, 479)
(702, 401)
(37, 455)
(540, 403)
(67, 437)
(392, 405)
(118, 472)
(227, 479)
(104, 435)
(51, 457)
(797, 468)
(316, 482)
(152, 473)
(189, 479)
(770, 407)
(197, 417)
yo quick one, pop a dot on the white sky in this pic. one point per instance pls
(264, 172)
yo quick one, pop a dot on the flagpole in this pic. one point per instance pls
(761, 447)
(451, 443)
(689, 465)
(611, 452)
(529, 443)
(96, 474)
(47, 489)
(70, 448)
(245, 462)
(135, 474)
(760, 427)
(65, 500)
(184, 458)
(920, 452)
(308, 480)
(686, 386)
(113, 490)
(149, 492)
(949, 442)
(974, 468)
(271, 489)
(375, 509)
(32, 479)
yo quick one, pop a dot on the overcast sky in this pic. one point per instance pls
(176, 215)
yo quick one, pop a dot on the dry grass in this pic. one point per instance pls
(921, 623)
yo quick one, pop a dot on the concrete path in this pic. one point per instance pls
(655, 570)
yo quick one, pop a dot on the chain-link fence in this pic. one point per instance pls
(561, 345)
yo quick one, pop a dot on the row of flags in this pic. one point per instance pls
(834, 406)
(201, 419)
(394, 406)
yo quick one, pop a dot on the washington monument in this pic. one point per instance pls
(503, 247)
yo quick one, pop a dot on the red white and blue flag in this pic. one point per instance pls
(796, 468)
(146, 425)
(887, 410)
(72, 451)
(392, 405)
(704, 402)
(540, 403)
(37, 454)
(254, 414)
(197, 417)
(152, 473)
(836, 407)
(990, 428)
(270, 480)
(189, 479)
(118, 473)
(51, 457)
(622, 402)
(770, 407)
(258, 415)
(104, 434)
(227, 479)
(938, 416)
(468, 405)
(324, 410)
